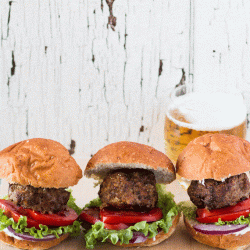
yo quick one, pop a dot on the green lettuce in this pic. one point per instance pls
(241, 220)
(189, 210)
(21, 225)
(71, 203)
(94, 203)
(99, 233)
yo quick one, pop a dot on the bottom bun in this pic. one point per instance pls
(158, 238)
(25, 244)
(223, 241)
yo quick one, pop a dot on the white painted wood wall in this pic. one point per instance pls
(65, 75)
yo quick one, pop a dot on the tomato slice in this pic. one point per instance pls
(15, 212)
(63, 218)
(92, 215)
(118, 226)
(225, 214)
(223, 217)
(123, 216)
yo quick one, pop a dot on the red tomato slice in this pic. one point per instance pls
(15, 212)
(223, 217)
(123, 216)
(34, 218)
(62, 218)
(225, 214)
(118, 226)
(92, 215)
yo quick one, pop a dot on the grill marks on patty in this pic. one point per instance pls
(44, 200)
(217, 194)
(129, 189)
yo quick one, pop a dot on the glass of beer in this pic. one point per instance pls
(191, 114)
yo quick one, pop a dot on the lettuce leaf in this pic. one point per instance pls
(94, 203)
(21, 225)
(188, 209)
(71, 203)
(241, 220)
(165, 202)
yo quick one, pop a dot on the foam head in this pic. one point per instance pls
(208, 111)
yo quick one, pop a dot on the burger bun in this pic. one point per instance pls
(131, 155)
(35, 245)
(40, 163)
(223, 241)
(214, 156)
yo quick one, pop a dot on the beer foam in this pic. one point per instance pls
(209, 111)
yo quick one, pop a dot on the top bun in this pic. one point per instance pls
(130, 155)
(214, 156)
(39, 163)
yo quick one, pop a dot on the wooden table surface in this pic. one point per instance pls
(85, 191)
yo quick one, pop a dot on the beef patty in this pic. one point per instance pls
(44, 200)
(214, 194)
(129, 189)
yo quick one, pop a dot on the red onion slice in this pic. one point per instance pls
(138, 237)
(213, 229)
(27, 236)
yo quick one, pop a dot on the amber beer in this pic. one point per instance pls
(194, 114)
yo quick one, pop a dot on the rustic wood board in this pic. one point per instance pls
(65, 75)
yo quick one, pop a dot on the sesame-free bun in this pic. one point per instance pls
(35, 245)
(40, 163)
(214, 156)
(131, 155)
(161, 236)
(223, 241)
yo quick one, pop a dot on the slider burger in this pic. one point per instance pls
(37, 212)
(133, 209)
(217, 168)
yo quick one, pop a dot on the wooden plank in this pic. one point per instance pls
(221, 35)
(67, 76)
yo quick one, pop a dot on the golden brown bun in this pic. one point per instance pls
(214, 156)
(126, 154)
(158, 238)
(226, 241)
(40, 163)
(25, 244)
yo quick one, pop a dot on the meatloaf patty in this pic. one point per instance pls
(129, 189)
(214, 194)
(44, 200)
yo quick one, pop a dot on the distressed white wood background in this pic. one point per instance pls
(66, 75)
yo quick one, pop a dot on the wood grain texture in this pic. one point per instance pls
(222, 44)
(67, 76)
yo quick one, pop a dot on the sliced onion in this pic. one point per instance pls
(138, 237)
(27, 236)
(213, 229)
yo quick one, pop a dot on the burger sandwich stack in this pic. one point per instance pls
(37, 212)
(133, 208)
(216, 168)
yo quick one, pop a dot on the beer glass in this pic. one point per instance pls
(191, 114)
